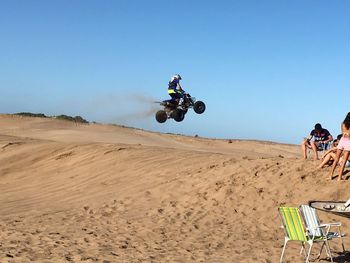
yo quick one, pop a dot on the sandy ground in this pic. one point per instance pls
(104, 193)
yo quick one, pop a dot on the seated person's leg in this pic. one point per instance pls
(328, 159)
(304, 146)
(314, 146)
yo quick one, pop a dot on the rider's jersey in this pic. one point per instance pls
(174, 86)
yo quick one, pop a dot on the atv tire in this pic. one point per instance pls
(199, 107)
(161, 116)
(178, 115)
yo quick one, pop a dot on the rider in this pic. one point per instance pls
(175, 90)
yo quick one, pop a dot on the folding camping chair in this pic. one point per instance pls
(295, 231)
(312, 222)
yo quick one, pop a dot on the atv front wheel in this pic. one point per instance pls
(161, 116)
(199, 107)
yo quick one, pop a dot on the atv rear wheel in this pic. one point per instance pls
(199, 107)
(178, 115)
(161, 116)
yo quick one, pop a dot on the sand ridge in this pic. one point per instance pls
(97, 193)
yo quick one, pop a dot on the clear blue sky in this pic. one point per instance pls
(267, 70)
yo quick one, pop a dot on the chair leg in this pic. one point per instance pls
(342, 244)
(341, 239)
(303, 249)
(284, 249)
(308, 254)
(328, 249)
(319, 255)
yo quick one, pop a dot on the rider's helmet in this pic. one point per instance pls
(176, 76)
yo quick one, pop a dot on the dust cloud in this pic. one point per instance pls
(124, 108)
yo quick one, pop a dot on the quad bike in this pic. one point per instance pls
(173, 110)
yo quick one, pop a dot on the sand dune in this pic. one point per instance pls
(104, 193)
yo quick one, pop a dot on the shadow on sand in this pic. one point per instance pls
(341, 257)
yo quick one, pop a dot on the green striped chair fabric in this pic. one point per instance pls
(293, 224)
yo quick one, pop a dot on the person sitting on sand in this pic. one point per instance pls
(329, 155)
(320, 137)
(343, 146)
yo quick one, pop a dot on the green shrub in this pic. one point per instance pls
(80, 119)
(64, 117)
(29, 114)
(77, 119)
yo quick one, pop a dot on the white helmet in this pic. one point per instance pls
(176, 76)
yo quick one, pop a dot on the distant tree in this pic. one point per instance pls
(29, 114)
(80, 119)
(77, 119)
(65, 117)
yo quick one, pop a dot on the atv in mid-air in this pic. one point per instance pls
(172, 110)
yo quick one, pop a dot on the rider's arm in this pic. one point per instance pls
(179, 88)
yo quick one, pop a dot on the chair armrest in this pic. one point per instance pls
(331, 224)
(335, 224)
(316, 227)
